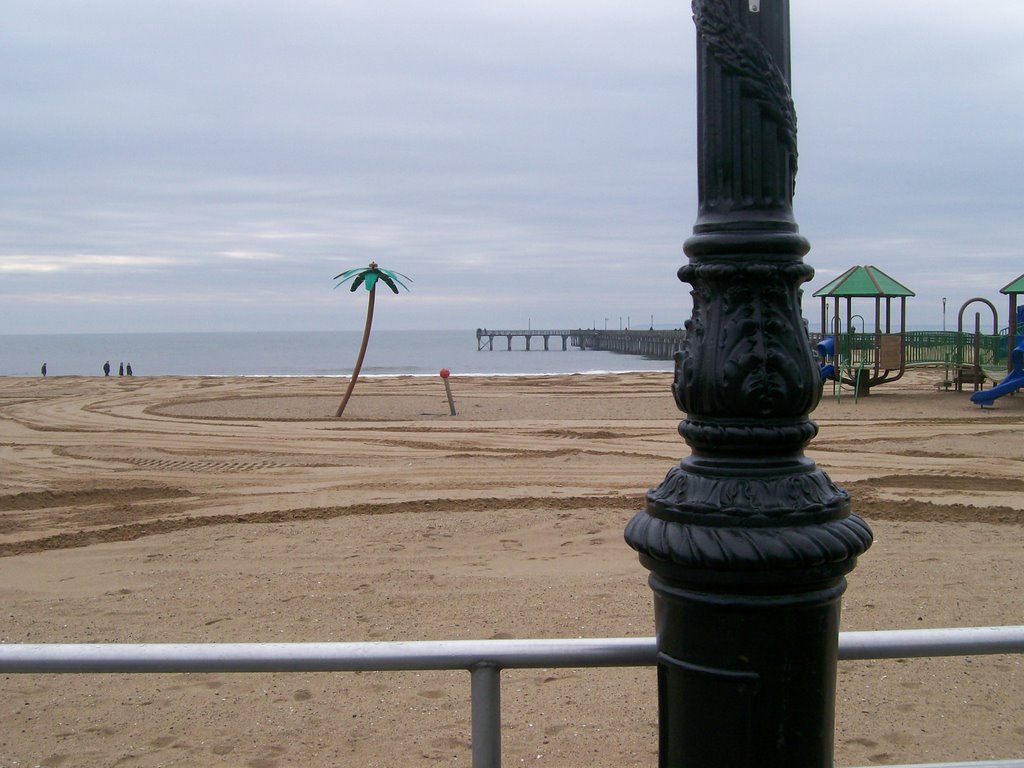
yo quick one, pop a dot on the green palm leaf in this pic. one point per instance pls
(349, 273)
(395, 278)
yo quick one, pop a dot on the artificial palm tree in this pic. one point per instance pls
(369, 277)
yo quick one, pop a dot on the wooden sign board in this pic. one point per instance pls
(890, 351)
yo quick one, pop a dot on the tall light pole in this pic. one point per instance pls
(943, 314)
(747, 541)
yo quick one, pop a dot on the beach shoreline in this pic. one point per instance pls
(237, 509)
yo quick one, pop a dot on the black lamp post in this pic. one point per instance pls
(747, 541)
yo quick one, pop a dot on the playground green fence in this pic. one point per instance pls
(929, 348)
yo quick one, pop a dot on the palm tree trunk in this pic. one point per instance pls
(362, 353)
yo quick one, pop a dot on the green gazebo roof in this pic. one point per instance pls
(865, 281)
(1017, 286)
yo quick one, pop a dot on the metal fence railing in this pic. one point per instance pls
(927, 347)
(484, 659)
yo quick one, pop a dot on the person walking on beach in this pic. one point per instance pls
(128, 370)
(43, 370)
(120, 370)
(106, 368)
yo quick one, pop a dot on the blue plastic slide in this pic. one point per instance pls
(1013, 381)
(826, 349)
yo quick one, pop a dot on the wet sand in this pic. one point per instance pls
(237, 510)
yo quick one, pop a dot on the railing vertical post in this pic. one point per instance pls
(747, 541)
(485, 682)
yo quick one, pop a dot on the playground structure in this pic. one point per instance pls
(996, 357)
(985, 351)
(1012, 345)
(862, 359)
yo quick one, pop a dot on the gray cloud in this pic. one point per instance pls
(186, 165)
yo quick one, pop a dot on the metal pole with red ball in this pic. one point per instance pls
(445, 373)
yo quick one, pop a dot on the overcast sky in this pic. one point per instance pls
(178, 165)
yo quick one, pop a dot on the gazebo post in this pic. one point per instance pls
(1011, 331)
(748, 543)
(1012, 290)
(878, 332)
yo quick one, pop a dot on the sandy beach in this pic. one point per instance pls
(237, 510)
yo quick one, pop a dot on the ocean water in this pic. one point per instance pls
(316, 353)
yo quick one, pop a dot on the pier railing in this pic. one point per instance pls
(485, 337)
(655, 344)
(484, 659)
(922, 347)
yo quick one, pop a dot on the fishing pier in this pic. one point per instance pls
(657, 345)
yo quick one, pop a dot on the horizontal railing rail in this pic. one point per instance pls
(526, 332)
(326, 657)
(484, 659)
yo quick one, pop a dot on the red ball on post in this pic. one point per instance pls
(445, 373)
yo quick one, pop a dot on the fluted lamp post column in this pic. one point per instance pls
(747, 541)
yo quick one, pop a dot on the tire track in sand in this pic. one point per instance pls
(134, 531)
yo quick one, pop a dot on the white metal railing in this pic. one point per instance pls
(484, 659)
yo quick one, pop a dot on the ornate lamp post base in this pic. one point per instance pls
(747, 541)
